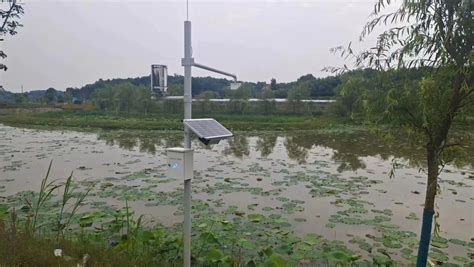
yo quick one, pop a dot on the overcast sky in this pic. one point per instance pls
(73, 43)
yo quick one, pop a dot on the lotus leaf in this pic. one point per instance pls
(255, 217)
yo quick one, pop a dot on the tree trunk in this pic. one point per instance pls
(428, 211)
(433, 148)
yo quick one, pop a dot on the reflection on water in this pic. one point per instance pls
(347, 161)
(266, 144)
(296, 150)
(349, 148)
(146, 142)
(238, 147)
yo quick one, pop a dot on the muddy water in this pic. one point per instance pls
(317, 173)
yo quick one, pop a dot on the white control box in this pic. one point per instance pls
(180, 163)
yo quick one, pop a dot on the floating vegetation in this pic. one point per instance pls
(458, 242)
(382, 260)
(439, 242)
(391, 241)
(412, 216)
(244, 199)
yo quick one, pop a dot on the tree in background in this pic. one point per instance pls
(239, 98)
(320, 87)
(268, 104)
(9, 23)
(437, 34)
(103, 98)
(68, 95)
(307, 77)
(20, 98)
(244, 92)
(325, 87)
(143, 102)
(297, 94)
(50, 96)
(350, 100)
(175, 90)
(123, 97)
(207, 95)
(273, 84)
(281, 93)
(259, 87)
(205, 103)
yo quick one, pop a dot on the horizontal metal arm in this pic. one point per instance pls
(215, 70)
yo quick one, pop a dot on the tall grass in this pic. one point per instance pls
(68, 194)
(27, 248)
(45, 192)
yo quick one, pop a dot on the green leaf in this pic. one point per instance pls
(209, 237)
(3, 210)
(391, 242)
(439, 242)
(382, 260)
(244, 243)
(86, 221)
(312, 239)
(255, 217)
(275, 260)
(214, 256)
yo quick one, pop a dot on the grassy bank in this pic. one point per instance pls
(21, 249)
(94, 119)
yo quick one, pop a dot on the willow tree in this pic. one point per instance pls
(10, 12)
(432, 34)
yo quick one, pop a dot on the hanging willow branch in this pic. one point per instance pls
(423, 33)
(9, 23)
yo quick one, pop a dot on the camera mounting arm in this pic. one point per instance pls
(215, 70)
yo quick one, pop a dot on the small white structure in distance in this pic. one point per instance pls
(235, 85)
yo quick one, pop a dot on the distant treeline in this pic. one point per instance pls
(355, 92)
(307, 85)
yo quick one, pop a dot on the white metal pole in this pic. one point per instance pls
(187, 63)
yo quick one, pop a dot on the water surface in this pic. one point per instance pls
(334, 184)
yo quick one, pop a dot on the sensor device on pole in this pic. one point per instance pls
(180, 163)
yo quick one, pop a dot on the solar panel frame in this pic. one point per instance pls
(207, 128)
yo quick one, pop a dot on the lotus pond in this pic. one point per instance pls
(311, 196)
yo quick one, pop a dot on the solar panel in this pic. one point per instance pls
(207, 128)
